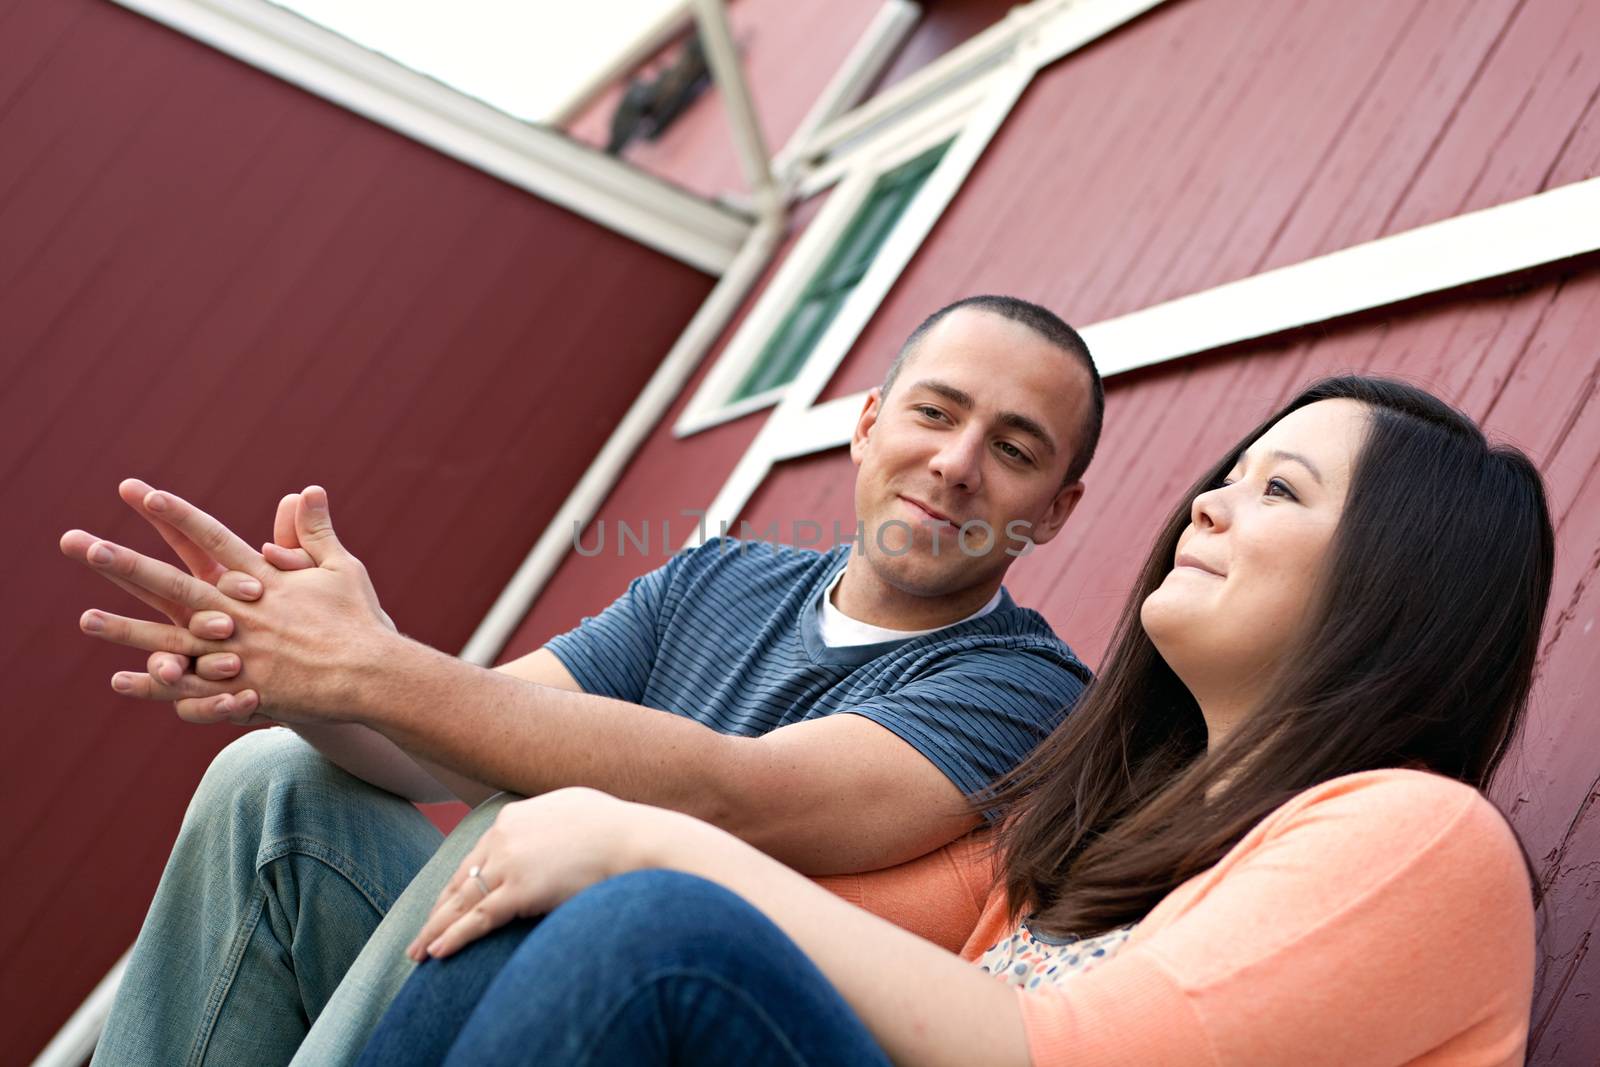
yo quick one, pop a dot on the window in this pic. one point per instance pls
(785, 353)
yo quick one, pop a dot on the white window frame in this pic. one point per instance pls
(713, 403)
(614, 194)
(944, 102)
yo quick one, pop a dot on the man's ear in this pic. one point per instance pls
(864, 424)
(1057, 514)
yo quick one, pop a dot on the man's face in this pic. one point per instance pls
(978, 431)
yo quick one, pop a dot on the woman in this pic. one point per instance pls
(1259, 839)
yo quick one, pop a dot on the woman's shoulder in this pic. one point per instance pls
(1380, 832)
(1394, 865)
(1395, 806)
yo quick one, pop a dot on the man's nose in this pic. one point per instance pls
(960, 461)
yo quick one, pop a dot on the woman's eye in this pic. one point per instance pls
(1278, 487)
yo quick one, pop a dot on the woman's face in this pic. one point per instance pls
(1248, 562)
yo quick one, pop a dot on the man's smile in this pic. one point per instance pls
(932, 514)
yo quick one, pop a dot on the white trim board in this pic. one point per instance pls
(955, 68)
(873, 51)
(1040, 33)
(548, 164)
(749, 142)
(1536, 230)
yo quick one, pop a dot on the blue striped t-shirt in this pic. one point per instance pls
(727, 633)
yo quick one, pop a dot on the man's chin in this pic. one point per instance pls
(919, 572)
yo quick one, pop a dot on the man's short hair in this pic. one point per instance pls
(1046, 324)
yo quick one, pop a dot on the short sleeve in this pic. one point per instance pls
(976, 713)
(612, 654)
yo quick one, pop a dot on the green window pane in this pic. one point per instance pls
(786, 351)
(860, 244)
(890, 196)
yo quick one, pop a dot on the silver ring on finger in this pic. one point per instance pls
(476, 874)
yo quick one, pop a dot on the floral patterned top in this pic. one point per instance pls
(1028, 959)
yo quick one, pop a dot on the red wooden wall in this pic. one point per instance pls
(222, 284)
(1214, 139)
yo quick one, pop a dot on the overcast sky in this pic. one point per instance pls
(523, 56)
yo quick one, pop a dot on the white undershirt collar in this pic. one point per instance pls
(841, 631)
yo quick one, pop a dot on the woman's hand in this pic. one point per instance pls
(923, 1004)
(538, 853)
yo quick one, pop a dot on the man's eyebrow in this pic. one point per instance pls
(946, 390)
(1015, 420)
(1031, 428)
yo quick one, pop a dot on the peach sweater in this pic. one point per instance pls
(1379, 918)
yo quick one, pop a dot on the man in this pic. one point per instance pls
(835, 709)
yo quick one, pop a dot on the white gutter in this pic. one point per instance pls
(597, 482)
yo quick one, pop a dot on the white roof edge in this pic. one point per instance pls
(552, 166)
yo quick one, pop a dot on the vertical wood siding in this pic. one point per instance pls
(1214, 139)
(217, 282)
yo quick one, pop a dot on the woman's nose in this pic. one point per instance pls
(1209, 509)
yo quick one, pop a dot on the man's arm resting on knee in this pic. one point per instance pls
(826, 796)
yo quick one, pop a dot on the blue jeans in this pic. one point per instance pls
(654, 967)
(268, 939)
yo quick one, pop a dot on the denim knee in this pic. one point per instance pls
(260, 780)
(655, 908)
(252, 765)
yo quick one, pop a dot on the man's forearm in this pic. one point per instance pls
(516, 735)
(374, 759)
(378, 761)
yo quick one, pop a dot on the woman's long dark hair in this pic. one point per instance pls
(1418, 651)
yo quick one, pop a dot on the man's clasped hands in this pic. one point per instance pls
(252, 636)
(290, 634)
